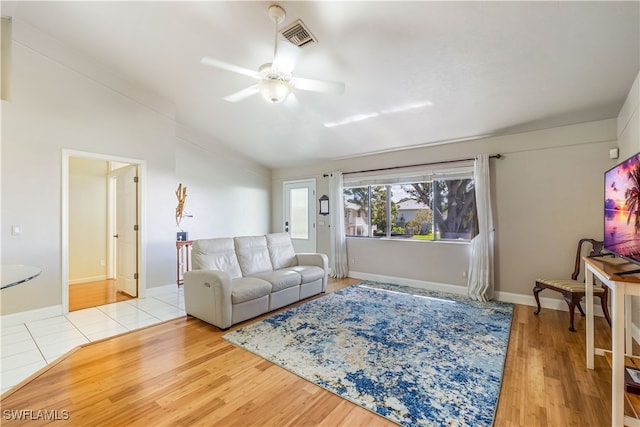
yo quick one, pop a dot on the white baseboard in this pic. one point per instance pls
(56, 310)
(545, 302)
(31, 315)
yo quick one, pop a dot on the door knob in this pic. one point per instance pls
(115, 235)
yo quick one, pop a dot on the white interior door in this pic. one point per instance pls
(126, 229)
(300, 214)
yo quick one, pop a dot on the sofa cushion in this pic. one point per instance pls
(309, 273)
(280, 279)
(248, 288)
(281, 250)
(253, 255)
(215, 254)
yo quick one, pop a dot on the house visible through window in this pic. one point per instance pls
(440, 207)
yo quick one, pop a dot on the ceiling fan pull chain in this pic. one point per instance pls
(275, 39)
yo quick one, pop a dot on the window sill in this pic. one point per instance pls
(391, 239)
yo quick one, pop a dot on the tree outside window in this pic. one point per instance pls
(442, 209)
(452, 203)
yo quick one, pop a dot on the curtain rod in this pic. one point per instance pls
(493, 156)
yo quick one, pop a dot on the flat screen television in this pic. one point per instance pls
(622, 209)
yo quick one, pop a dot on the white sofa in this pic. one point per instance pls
(235, 279)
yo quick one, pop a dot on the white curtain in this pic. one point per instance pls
(480, 279)
(338, 267)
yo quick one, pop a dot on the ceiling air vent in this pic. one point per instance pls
(298, 34)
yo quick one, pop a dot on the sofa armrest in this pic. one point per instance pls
(207, 296)
(320, 260)
(317, 259)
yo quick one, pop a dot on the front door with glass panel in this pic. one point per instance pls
(300, 214)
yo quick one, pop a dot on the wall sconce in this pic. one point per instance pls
(324, 205)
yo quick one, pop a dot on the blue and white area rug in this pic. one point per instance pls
(413, 356)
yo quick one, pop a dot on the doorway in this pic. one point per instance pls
(102, 221)
(300, 214)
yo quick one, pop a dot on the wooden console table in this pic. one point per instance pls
(183, 247)
(608, 270)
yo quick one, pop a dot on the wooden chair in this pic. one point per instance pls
(574, 290)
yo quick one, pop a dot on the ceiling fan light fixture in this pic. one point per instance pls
(275, 90)
(275, 82)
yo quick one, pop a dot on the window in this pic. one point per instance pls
(439, 208)
(299, 204)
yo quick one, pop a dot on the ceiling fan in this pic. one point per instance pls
(275, 81)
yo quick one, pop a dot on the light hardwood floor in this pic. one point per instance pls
(93, 294)
(183, 373)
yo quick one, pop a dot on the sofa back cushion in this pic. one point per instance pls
(253, 254)
(215, 254)
(281, 250)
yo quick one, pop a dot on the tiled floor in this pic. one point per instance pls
(30, 346)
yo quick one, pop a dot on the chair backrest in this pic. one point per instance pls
(596, 248)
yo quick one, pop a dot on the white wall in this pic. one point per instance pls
(629, 122)
(228, 197)
(547, 193)
(629, 144)
(63, 100)
(87, 219)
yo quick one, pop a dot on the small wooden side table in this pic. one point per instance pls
(181, 268)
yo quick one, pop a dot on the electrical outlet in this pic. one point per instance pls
(16, 230)
(353, 261)
(102, 263)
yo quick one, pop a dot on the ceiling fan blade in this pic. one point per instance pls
(324, 86)
(242, 94)
(286, 56)
(229, 67)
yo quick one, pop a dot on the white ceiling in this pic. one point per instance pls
(482, 68)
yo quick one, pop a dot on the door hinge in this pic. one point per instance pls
(135, 227)
(135, 276)
(135, 179)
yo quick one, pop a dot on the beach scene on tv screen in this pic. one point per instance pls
(622, 209)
